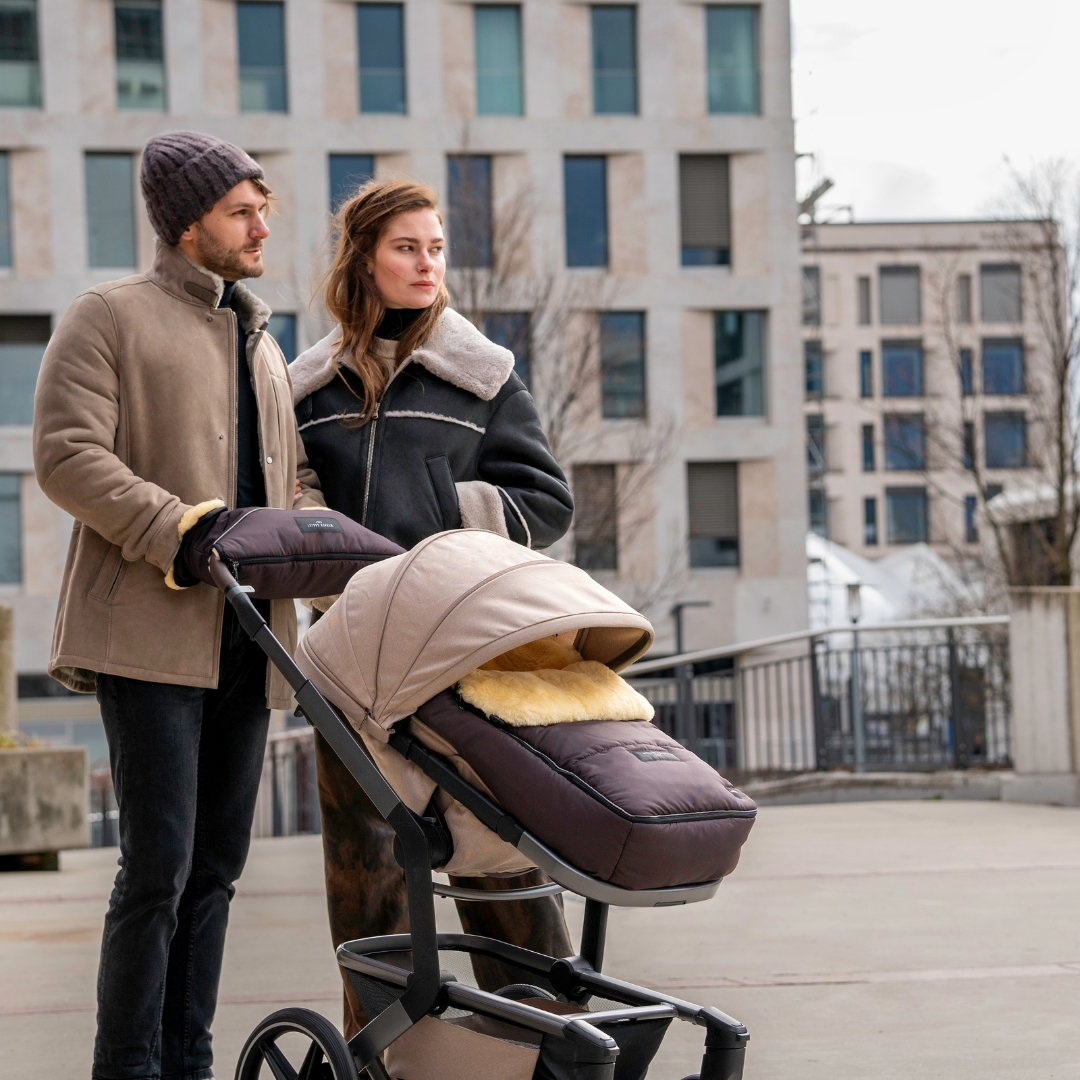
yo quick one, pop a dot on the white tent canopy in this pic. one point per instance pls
(907, 584)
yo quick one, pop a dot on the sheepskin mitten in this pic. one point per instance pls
(184, 173)
(193, 525)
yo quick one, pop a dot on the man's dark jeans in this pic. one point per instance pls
(186, 765)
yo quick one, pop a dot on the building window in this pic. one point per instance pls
(705, 210)
(348, 173)
(818, 507)
(140, 55)
(512, 330)
(905, 515)
(811, 296)
(869, 464)
(10, 530)
(1003, 367)
(622, 364)
(814, 368)
(282, 328)
(498, 60)
(380, 34)
(260, 31)
(585, 195)
(596, 526)
(1005, 438)
(5, 211)
(869, 516)
(999, 294)
(967, 373)
(862, 296)
(22, 345)
(901, 303)
(20, 71)
(816, 460)
(614, 50)
(901, 369)
(905, 442)
(866, 373)
(732, 58)
(469, 199)
(971, 523)
(740, 363)
(713, 502)
(110, 210)
(963, 299)
(968, 447)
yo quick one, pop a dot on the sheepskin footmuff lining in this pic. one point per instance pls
(582, 691)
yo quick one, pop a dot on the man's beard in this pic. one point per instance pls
(223, 260)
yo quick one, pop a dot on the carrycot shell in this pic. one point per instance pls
(411, 626)
(618, 799)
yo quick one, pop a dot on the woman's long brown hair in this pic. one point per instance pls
(349, 291)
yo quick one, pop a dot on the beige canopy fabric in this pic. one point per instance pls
(411, 626)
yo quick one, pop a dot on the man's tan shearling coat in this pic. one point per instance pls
(134, 424)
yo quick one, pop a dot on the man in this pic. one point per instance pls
(161, 397)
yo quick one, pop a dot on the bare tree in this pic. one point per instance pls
(501, 281)
(1041, 238)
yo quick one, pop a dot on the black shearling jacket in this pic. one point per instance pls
(456, 442)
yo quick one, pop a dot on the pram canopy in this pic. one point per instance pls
(412, 626)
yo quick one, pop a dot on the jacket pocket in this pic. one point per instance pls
(442, 481)
(108, 576)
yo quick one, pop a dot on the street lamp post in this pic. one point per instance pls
(684, 710)
(858, 720)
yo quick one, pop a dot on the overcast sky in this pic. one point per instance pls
(911, 107)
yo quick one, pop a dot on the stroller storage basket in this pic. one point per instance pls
(502, 1017)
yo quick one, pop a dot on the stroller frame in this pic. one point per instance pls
(589, 1052)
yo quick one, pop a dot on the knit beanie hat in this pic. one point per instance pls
(184, 173)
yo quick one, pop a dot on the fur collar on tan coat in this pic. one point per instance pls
(456, 352)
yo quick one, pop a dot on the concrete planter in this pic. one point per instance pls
(43, 800)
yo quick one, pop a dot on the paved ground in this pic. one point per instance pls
(885, 940)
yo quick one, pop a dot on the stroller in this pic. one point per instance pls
(469, 687)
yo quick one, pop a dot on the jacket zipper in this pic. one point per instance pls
(370, 456)
(371, 443)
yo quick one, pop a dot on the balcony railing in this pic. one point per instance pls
(924, 695)
(918, 695)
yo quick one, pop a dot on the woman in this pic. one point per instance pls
(415, 423)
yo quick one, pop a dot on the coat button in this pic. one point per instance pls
(269, 461)
(221, 436)
(209, 318)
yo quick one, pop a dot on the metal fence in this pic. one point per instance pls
(920, 696)
(288, 795)
(104, 817)
(288, 801)
(931, 699)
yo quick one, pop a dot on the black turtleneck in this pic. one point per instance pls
(396, 321)
(250, 481)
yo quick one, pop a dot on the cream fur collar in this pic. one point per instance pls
(456, 352)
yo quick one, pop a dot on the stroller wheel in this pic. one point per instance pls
(319, 1053)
